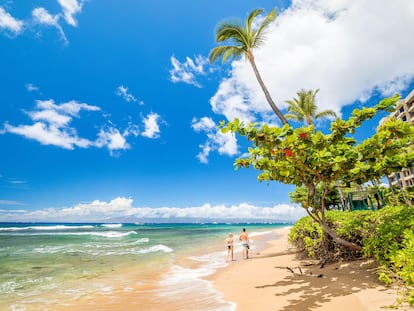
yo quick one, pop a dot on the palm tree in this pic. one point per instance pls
(304, 109)
(244, 39)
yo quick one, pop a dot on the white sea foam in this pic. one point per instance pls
(112, 225)
(105, 234)
(140, 241)
(189, 283)
(17, 308)
(254, 233)
(46, 228)
(9, 287)
(155, 248)
(102, 250)
(109, 234)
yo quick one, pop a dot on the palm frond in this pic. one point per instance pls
(217, 52)
(259, 33)
(325, 114)
(234, 34)
(225, 51)
(251, 17)
(292, 116)
(234, 52)
(267, 21)
(227, 31)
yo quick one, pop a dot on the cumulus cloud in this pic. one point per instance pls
(216, 140)
(70, 8)
(152, 129)
(188, 71)
(112, 139)
(122, 91)
(52, 125)
(43, 17)
(9, 24)
(347, 49)
(122, 208)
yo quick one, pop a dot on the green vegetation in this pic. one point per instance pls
(243, 40)
(322, 162)
(320, 166)
(385, 235)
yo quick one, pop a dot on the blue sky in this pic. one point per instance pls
(110, 110)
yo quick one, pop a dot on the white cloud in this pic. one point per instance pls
(122, 208)
(216, 140)
(112, 139)
(9, 202)
(49, 135)
(43, 17)
(10, 24)
(123, 92)
(188, 71)
(152, 129)
(234, 100)
(52, 124)
(347, 49)
(32, 88)
(71, 8)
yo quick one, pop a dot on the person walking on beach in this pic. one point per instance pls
(230, 247)
(244, 237)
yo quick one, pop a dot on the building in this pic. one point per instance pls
(404, 111)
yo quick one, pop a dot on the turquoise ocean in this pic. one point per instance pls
(117, 266)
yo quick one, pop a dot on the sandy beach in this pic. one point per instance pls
(264, 282)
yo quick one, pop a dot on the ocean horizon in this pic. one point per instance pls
(60, 266)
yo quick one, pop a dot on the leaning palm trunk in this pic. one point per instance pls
(341, 195)
(392, 190)
(269, 99)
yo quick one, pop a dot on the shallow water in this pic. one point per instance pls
(114, 266)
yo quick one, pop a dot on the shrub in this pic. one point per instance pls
(385, 235)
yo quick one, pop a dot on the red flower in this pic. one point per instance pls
(288, 152)
(302, 135)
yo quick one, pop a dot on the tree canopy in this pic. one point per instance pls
(309, 158)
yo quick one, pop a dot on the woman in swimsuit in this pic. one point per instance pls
(230, 248)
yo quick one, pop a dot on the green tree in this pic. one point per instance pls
(309, 158)
(243, 39)
(304, 108)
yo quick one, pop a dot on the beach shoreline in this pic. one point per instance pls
(274, 278)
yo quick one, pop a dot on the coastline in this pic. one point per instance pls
(263, 282)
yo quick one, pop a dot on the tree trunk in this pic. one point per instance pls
(339, 240)
(392, 190)
(269, 99)
(341, 195)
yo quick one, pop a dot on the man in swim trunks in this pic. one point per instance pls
(244, 237)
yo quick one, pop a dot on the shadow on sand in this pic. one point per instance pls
(313, 286)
